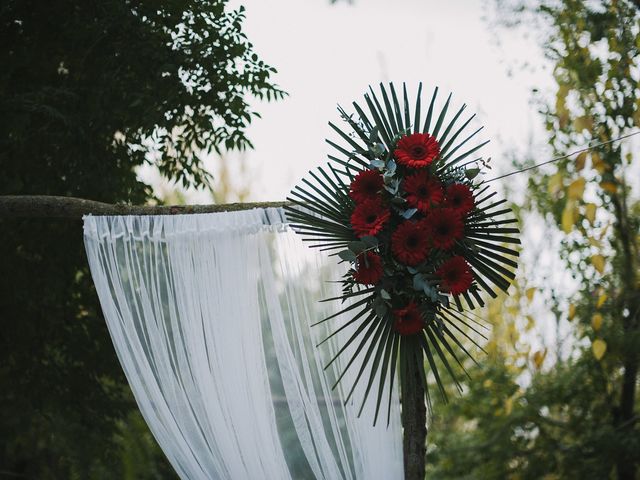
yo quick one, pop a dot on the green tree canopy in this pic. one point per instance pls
(88, 92)
(578, 419)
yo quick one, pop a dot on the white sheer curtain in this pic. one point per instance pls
(211, 317)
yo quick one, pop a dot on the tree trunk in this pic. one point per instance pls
(627, 463)
(624, 418)
(414, 423)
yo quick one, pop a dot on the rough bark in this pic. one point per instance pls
(43, 206)
(414, 424)
(624, 415)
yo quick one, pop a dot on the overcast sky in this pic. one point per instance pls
(328, 54)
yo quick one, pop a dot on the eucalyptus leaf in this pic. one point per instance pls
(391, 167)
(430, 292)
(409, 213)
(418, 282)
(443, 300)
(471, 173)
(347, 255)
(369, 241)
(381, 309)
(378, 149)
(357, 247)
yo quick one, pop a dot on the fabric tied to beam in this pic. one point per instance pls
(211, 316)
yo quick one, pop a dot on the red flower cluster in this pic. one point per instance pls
(455, 275)
(445, 226)
(410, 242)
(423, 191)
(366, 186)
(407, 320)
(460, 198)
(417, 150)
(368, 268)
(369, 217)
(437, 224)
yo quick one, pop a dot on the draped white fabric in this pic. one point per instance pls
(211, 318)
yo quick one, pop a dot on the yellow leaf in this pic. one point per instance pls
(590, 212)
(598, 263)
(599, 347)
(530, 293)
(598, 163)
(561, 108)
(555, 184)
(572, 311)
(487, 383)
(596, 321)
(629, 155)
(583, 123)
(530, 323)
(580, 161)
(576, 189)
(594, 242)
(538, 358)
(508, 406)
(610, 187)
(568, 217)
(601, 299)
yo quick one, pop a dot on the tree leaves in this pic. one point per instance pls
(576, 189)
(599, 348)
(569, 216)
(598, 262)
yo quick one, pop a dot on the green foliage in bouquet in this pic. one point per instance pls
(401, 202)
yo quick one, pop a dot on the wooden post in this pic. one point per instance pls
(414, 422)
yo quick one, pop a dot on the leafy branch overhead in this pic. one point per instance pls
(166, 83)
(401, 201)
(89, 91)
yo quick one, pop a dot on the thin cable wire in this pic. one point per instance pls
(590, 147)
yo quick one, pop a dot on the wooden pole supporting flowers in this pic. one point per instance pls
(399, 201)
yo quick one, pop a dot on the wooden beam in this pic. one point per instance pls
(44, 206)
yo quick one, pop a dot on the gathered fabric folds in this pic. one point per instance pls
(211, 317)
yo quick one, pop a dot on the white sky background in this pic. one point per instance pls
(328, 54)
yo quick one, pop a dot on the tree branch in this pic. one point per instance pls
(44, 206)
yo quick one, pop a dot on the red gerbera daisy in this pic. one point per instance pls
(456, 275)
(417, 150)
(369, 217)
(460, 198)
(407, 320)
(423, 191)
(445, 226)
(368, 268)
(366, 186)
(410, 243)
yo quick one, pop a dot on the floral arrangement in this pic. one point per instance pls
(402, 204)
